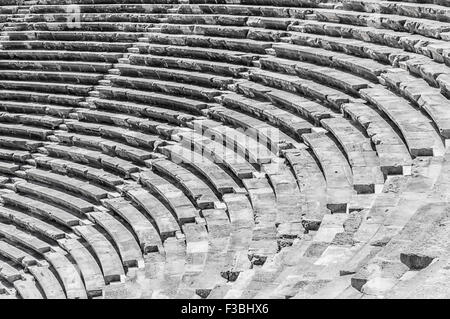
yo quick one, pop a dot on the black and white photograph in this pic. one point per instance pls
(254, 151)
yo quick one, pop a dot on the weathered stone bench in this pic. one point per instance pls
(165, 221)
(40, 97)
(110, 262)
(48, 282)
(151, 98)
(41, 208)
(191, 52)
(336, 169)
(367, 174)
(71, 202)
(222, 182)
(243, 45)
(67, 272)
(180, 204)
(87, 36)
(18, 236)
(129, 249)
(146, 233)
(90, 173)
(267, 111)
(34, 108)
(218, 153)
(196, 65)
(143, 110)
(32, 223)
(167, 87)
(197, 78)
(95, 158)
(17, 255)
(420, 136)
(87, 47)
(393, 154)
(71, 184)
(197, 190)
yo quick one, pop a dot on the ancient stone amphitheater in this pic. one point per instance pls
(224, 149)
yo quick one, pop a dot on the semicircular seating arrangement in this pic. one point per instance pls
(224, 149)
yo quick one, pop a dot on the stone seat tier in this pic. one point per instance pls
(143, 110)
(42, 209)
(243, 45)
(14, 155)
(146, 233)
(127, 245)
(48, 194)
(265, 241)
(288, 196)
(392, 152)
(30, 97)
(197, 78)
(88, 190)
(35, 108)
(122, 150)
(427, 98)
(124, 120)
(60, 56)
(385, 45)
(16, 235)
(150, 98)
(98, 7)
(20, 143)
(337, 171)
(218, 153)
(420, 136)
(222, 182)
(32, 223)
(48, 282)
(205, 66)
(16, 255)
(267, 111)
(95, 158)
(295, 103)
(307, 88)
(24, 131)
(27, 289)
(90, 173)
(195, 188)
(416, 10)
(43, 87)
(93, 26)
(42, 45)
(90, 270)
(109, 259)
(164, 220)
(256, 151)
(191, 52)
(364, 161)
(8, 272)
(182, 207)
(360, 66)
(312, 186)
(44, 121)
(42, 76)
(240, 213)
(56, 66)
(86, 36)
(67, 272)
(167, 87)
(333, 77)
